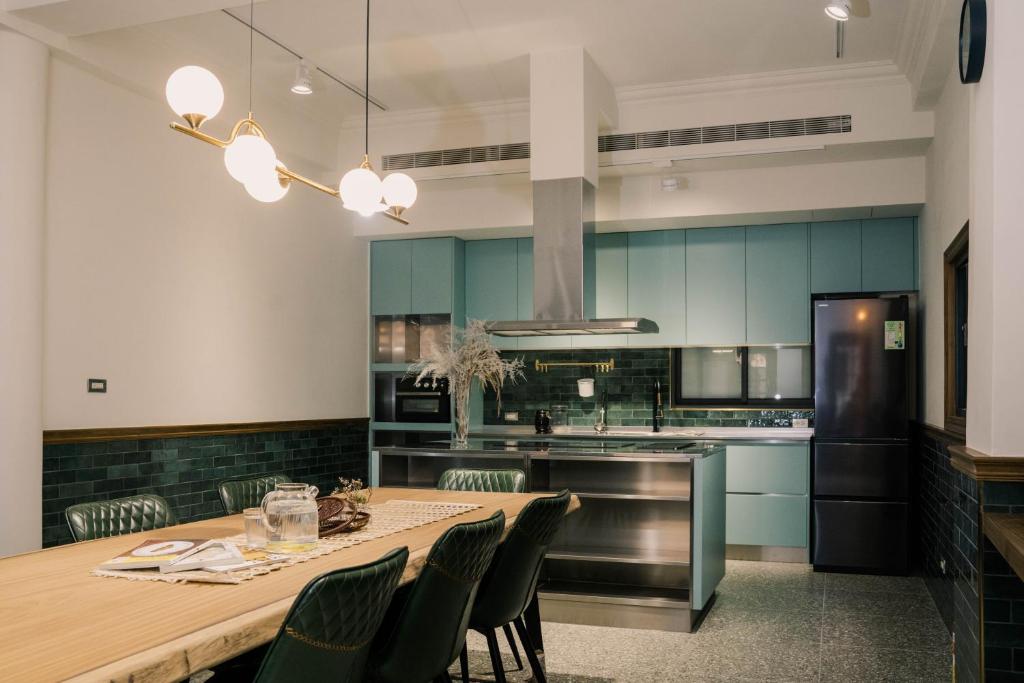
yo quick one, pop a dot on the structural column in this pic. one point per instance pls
(24, 68)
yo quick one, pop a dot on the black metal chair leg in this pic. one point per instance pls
(492, 647)
(507, 628)
(531, 653)
(464, 663)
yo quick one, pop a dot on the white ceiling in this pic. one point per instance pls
(441, 53)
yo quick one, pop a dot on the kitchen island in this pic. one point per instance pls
(647, 548)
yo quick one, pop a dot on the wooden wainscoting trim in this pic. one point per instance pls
(983, 467)
(58, 436)
(941, 434)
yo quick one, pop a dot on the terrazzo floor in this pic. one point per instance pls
(771, 622)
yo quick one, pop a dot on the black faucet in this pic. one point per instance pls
(659, 414)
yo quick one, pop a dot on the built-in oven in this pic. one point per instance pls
(426, 402)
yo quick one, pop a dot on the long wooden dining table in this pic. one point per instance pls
(59, 622)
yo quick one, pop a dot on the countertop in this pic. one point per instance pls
(546, 446)
(633, 433)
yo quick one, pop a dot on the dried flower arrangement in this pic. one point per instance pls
(467, 354)
(353, 490)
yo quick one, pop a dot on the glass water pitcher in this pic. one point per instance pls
(290, 518)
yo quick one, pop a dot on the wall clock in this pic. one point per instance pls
(972, 40)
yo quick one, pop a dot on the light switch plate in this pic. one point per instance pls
(512, 416)
(800, 423)
(97, 386)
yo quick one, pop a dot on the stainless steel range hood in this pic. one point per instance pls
(563, 267)
(568, 98)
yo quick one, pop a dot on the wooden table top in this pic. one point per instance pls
(58, 622)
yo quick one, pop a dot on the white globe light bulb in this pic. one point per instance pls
(267, 187)
(249, 157)
(194, 90)
(360, 187)
(399, 190)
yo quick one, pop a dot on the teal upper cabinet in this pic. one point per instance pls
(432, 275)
(492, 283)
(778, 284)
(835, 257)
(889, 255)
(610, 289)
(716, 289)
(657, 285)
(391, 277)
(524, 249)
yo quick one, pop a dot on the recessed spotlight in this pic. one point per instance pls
(838, 9)
(303, 84)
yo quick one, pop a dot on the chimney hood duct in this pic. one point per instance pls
(568, 96)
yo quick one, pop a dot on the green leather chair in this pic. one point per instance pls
(511, 580)
(425, 629)
(495, 481)
(247, 491)
(498, 481)
(105, 518)
(329, 629)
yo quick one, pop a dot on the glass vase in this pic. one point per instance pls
(460, 392)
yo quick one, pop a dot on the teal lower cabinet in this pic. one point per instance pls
(768, 501)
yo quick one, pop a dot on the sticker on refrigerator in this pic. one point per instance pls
(895, 335)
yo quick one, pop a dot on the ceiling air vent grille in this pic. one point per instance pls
(620, 142)
(460, 155)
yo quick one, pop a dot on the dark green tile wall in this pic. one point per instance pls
(185, 470)
(629, 393)
(1003, 593)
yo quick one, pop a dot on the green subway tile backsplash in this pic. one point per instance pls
(630, 401)
(185, 470)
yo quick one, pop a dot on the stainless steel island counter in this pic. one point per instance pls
(647, 548)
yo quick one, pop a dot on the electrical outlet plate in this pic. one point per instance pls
(512, 417)
(800, 423)
(97, 386)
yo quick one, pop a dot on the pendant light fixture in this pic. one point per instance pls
(361, 189)
(196, 95)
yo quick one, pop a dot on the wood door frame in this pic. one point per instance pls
(956, 254)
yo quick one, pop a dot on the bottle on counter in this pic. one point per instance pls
(542, 422)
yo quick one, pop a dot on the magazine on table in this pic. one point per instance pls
(153, 553)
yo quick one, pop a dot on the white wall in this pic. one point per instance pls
(945, 212)
(196, 303)
(23, 73)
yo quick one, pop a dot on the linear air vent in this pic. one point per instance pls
(621, 142)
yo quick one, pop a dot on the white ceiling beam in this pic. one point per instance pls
(83, 17)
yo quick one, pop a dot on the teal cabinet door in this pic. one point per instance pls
(524, 248)
(716, 290)
(889, 255)
(391, 277)
(491, 283)
(753, 519)
(610, 289)
(768, 468)
(657, 285)
(835, 257)
(778, 284)
(432, 275)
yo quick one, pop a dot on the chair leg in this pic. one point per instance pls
(464, 663)
(531, 653)
(492, 647)
(507, 628)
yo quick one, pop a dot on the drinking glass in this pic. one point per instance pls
(255, 532)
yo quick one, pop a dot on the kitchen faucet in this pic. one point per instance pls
(601, 423)
(659, 414)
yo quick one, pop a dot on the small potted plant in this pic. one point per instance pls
(468, 355)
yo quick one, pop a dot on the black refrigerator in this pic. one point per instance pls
(862, 399)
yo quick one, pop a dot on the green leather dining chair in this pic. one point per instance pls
(511, 581)
(247, 491)
(425, 628)
(497, 481)
(104, 518)
(329, 629)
